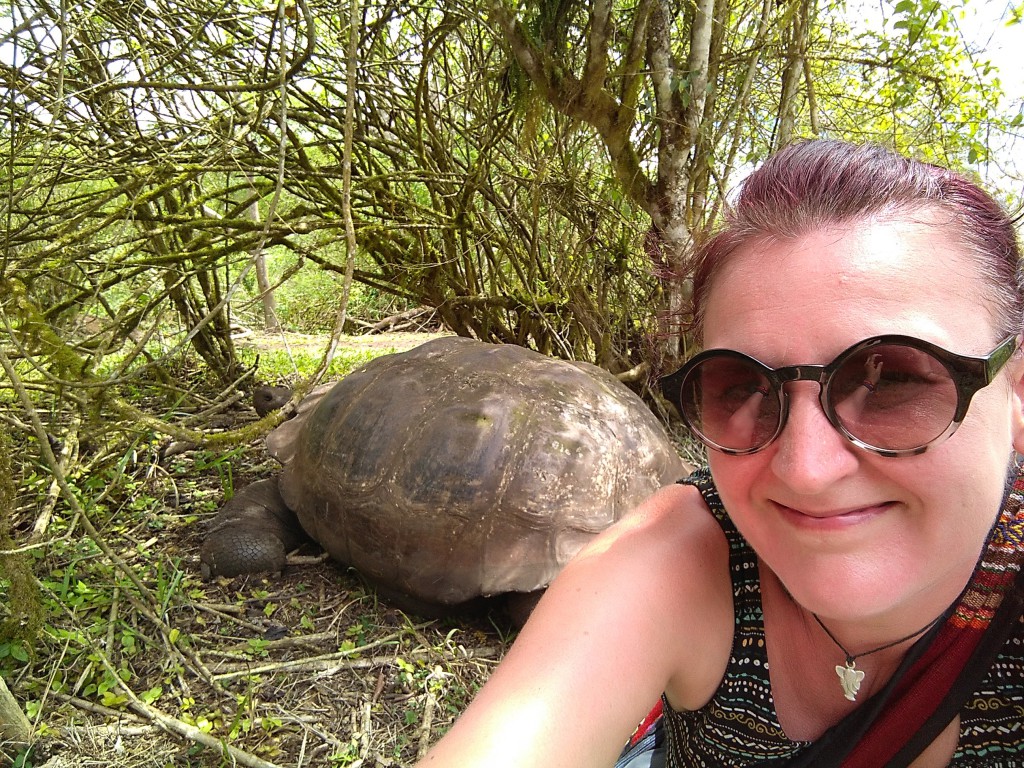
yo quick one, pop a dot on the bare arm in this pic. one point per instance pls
(645, 608)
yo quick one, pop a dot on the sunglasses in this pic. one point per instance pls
(891, 395)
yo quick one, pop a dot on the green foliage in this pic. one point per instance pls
(222, 463)
(346, 755)
(15, 649)
(307, 298)
(257, 647)
(921, 91)
(308, 302)
(81, 590)
(24, 759)
(513, 198)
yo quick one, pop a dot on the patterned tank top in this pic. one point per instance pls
(739, 726)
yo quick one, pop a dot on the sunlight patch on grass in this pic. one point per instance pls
(283, 366)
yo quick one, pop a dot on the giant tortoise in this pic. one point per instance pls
(455, 470)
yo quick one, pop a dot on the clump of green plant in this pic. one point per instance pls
(92, 629)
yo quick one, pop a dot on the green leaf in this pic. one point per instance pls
(113, 700)
(151, 695)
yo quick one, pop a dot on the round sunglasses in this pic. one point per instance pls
(891, 395)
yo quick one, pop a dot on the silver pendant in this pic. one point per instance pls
(850, 678)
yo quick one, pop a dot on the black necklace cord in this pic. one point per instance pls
(851, 658)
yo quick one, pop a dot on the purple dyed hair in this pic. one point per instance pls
(824, 182)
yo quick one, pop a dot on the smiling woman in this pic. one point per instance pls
(839, 586)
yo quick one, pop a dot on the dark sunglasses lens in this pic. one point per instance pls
(730, 403)
(893, 397)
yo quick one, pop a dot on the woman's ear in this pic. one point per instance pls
(1017, 400)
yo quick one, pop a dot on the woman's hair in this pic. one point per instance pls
(819, 183)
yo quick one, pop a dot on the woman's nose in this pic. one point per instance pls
(810, 454)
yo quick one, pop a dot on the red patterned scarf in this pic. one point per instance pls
(925, 698)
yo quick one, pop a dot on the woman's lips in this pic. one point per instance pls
(832, 518)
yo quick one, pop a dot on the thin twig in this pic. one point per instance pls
(325, 662)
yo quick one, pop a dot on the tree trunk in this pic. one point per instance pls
(796, 53)
(270, 322)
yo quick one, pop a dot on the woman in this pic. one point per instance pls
(827, 590)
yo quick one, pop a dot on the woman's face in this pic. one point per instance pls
(852, 535)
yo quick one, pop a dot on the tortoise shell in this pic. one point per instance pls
(462, 469)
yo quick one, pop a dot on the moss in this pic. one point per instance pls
(23, 599)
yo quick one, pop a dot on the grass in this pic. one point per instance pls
(285, 357)
(284, 365)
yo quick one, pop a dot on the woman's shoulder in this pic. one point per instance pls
(664, 568)
(686, 563)
(645, 607)
(675, 520)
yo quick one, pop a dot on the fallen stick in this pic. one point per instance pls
(14, 726)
